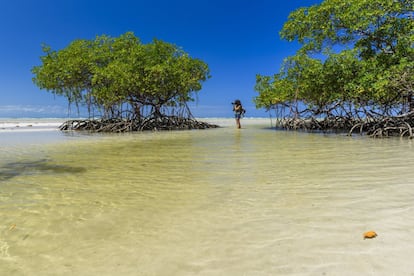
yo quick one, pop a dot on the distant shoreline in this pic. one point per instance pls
(52, 124)
(30, 124)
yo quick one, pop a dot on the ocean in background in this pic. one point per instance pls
(224, 201)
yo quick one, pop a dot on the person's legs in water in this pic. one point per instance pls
(238, 120)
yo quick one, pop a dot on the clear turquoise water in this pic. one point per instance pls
(215, 202)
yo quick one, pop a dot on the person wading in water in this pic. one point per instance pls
(238, 112)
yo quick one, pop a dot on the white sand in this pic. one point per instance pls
(29, 124)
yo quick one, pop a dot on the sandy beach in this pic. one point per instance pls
(30, 124)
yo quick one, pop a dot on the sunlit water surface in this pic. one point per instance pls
(222, 201)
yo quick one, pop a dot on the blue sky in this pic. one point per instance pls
(237, 39)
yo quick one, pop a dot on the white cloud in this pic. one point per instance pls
(33, 111)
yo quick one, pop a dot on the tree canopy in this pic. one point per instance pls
(122, 77)
(356, 61)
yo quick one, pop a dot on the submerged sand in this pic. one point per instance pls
(222, 201)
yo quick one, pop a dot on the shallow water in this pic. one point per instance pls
(214, 202)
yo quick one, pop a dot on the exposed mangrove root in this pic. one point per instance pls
(123, 125)
(337, 124)
(378, 127)
(392, 126)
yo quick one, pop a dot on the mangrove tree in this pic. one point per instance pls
(353, 72)
(125, 85)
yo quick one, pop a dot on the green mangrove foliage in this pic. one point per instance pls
(355, 66)
(122, 79)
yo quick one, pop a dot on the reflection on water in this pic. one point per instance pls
(215, 202)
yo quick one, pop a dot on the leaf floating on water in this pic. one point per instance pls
(370, 235)
(12, 227)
